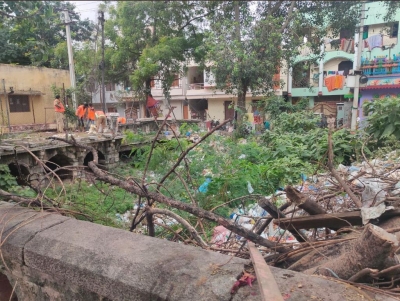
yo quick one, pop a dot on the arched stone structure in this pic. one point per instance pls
(57, 162)
(20, 171)
(89, 157)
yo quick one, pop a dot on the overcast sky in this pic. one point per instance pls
(87, 9)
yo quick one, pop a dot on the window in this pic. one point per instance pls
(394, 30)
(345, 66)
(110, 87)
(19, 103)
(365, 32)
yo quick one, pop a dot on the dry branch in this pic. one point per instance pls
(182, 221)
(332, 169)
(199, 212)
(303, 202)
(362, 274)
(184, 154)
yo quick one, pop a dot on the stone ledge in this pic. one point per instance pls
(112, 263)
(58, 258)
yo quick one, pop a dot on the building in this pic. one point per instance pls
(380, 65)
(194, 97)
(27, 98)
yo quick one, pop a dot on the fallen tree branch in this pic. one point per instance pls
(362, 274)
(153, 144)
(182, 221)
(184, 154)
(303, 202)
(332, 169)
(199, 212)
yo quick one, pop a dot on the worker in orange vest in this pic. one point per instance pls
(59, 111)
(121, 120)
(101, 121)
(90, 115)
(81, 113)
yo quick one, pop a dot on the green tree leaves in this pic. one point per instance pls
(33, 29)
(383, 118)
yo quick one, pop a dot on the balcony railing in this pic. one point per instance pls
(196, 86)
(381, 65)
(301, 83)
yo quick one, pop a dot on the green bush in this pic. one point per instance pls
(383, 118)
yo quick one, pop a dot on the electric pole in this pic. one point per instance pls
(357, 69)
(67, 21)
(102, 64)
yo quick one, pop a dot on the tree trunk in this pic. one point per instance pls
(370, 250)
(309, 206)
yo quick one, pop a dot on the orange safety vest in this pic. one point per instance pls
(58, 109)
(91, 115)
(80, 111)
(121, 120)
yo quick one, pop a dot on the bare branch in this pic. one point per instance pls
(182, 221)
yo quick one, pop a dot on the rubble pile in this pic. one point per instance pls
(347, 228)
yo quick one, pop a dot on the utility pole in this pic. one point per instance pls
(7, 105)
(357, 69)
(67, 21)
(102, 64)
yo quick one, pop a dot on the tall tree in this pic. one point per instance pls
(34, 29)
(152, 40)
(248, 42)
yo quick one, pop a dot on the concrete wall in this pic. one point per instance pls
(36, 83)
(52, 257)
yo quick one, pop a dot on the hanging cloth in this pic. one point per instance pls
(151, 102)
(375, 41)
(329, 83)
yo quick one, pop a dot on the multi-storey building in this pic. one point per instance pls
(380, 59)
(194, 97)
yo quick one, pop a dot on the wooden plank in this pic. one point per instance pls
(333, 221)
(266, 282)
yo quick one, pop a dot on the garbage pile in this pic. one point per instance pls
(343, 224)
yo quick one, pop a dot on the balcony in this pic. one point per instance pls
(381, 65)
(195, 86)
(303, 82)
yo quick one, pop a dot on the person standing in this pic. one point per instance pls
(101, 121)
(90, 115)
(81, 113)
(59, 111)
(331, 122)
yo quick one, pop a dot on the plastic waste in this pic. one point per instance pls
(373, 192)
(242, 156)
(373, 212)
(249, 187)
(353, 169)
(204, 187)
(342, 168)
